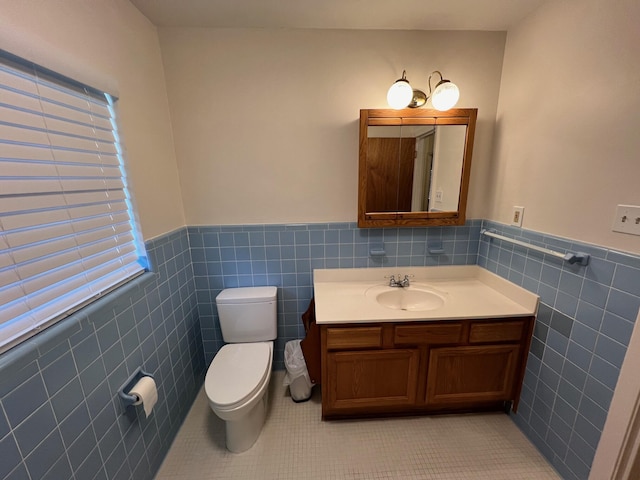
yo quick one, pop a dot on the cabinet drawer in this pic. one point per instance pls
(507, 331)
(442, 333)
(357, 337)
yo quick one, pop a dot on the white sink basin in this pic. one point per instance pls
(410, 299)
(361, 295)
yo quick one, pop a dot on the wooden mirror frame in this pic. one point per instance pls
(410, 116)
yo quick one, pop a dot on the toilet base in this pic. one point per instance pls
(241, 434)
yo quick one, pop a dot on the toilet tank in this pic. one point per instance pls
(248, 314)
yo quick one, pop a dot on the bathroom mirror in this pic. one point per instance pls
(414, 166)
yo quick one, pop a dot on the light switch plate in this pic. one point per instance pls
(627, 219)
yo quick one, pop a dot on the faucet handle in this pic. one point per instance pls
(392, 280)
(405, 281)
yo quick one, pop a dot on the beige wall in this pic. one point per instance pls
(266, 121)
(568, 125)
(110, 45)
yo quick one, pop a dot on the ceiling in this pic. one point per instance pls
(341, 14)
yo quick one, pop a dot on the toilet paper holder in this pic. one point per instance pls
(123, 392)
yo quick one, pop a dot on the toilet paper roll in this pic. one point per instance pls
(146, 393)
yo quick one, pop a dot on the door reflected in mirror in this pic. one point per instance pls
(414, 166)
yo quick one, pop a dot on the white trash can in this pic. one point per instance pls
(297, 377)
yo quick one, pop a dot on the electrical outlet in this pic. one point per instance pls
(516, 217)
(439, 195)
(621, 219)
(635, 223)
(627, 220)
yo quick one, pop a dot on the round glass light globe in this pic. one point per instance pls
(445, 96)
(399, 94)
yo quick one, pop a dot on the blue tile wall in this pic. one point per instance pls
(60, 417)
(582, 332)
(285, 256)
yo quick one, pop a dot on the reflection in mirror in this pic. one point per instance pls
(390, 169)
(414, 166)
(446, 168)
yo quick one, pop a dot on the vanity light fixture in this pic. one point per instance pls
(443, 97)
(400, 93)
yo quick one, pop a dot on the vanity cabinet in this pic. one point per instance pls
(423, 367)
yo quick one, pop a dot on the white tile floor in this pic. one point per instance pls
(296, 444)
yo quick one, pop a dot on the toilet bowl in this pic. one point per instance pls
(236, 386)
(237, 381)
(238, 378)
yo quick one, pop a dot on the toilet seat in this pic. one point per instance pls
(236, 373)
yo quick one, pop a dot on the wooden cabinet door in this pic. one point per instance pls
(471, 374)
(377, 380)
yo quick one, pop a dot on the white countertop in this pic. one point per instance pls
(469, 292)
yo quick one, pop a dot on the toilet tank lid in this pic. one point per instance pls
(247, 295)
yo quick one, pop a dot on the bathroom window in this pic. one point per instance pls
(67, 228)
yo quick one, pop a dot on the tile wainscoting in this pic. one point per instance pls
(60, 416)
(583, 328)
(585, 320)
(285, 256)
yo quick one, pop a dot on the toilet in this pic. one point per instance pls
(237, 380)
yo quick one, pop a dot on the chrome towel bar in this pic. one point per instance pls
(580, 258)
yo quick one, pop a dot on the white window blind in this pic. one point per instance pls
(67, 233)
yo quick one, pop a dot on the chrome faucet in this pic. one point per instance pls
(399, 283)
